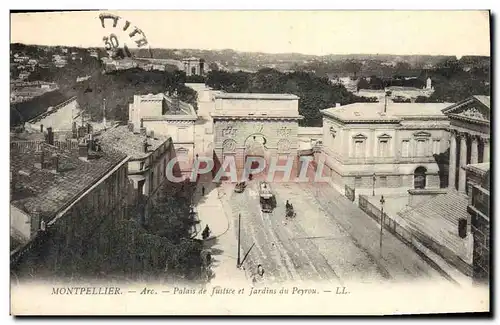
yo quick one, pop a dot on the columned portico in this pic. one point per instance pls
(469, 125)
(463, 162)
(486, 149)
(452, 173)
(474, 155)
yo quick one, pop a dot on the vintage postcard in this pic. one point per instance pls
(250, 162)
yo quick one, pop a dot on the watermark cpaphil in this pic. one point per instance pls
(275, 170)
(121, 37)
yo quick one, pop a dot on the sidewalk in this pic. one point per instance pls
(222, 241)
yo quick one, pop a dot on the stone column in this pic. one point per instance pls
(452, 173)
(486, 150)
(474, 155)
(463, 162)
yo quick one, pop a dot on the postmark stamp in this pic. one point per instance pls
(121, 38)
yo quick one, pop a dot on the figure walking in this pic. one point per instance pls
(203, 191)
(206, 232)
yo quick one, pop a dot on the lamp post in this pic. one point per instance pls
(374, 179)
(238, 264)
(382, 201)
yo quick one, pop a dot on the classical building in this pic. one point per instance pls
(255, 125)
(470, 137)
(393, 145)
(470, 172)
(149, 155)
(194, 66)
(64, 195)
(163, 115)
(456, 223)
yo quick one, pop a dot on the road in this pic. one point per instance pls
(329, 240)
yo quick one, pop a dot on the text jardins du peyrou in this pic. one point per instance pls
(214, 291)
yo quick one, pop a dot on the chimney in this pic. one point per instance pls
(131, 126)
(50, 136)
(74, 130)
(152, 134)
(41, 128)
(41, 163)
(145, 145)
(35, 221)
(143, 129)
(54, 163)
(83, 150)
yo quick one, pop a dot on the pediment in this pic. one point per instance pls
(360, 136)
(384, 136)
(475, 113)
(422, 134)
(471, 109)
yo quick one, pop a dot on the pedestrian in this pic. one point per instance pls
(206, 232)
(260, 270)
(203, 191)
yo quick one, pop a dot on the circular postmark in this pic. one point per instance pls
(122, 39)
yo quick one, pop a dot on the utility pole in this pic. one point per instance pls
(104, 113)
(239, 240)
(382, 201)
(374, 179)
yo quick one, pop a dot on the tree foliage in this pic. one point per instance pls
(315, 93)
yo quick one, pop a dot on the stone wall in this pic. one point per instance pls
(481, 253)
(233, 137)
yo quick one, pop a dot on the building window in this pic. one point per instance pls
(359, 148)
(405, 148)
(357, 181)
(383, 148)
(383, 181)
(421, 148)
(436, 147)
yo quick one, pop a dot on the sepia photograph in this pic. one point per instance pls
(250, 162)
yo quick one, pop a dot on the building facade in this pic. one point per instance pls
(147, 164)
(393, 145)
(255, 125)
(169, 117)
(470, 137)
(65, 195)
(470, 172)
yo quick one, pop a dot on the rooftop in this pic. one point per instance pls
(256, 96)
(25, 111)
(485, 100)
(394, 111)
(482, 168)
(41, 189)
(130, 143)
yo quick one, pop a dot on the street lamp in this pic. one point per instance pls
(382, 201)
(374, 179)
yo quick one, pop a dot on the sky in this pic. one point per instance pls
(308, 32)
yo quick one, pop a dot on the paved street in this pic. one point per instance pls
(329, 240)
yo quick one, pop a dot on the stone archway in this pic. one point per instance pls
(255, 146)
(420, 178)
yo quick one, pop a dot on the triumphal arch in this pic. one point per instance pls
(255, 125)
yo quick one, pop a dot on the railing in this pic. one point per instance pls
(350, 193)
(25, 146)
(36, 145)
(412, 239)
